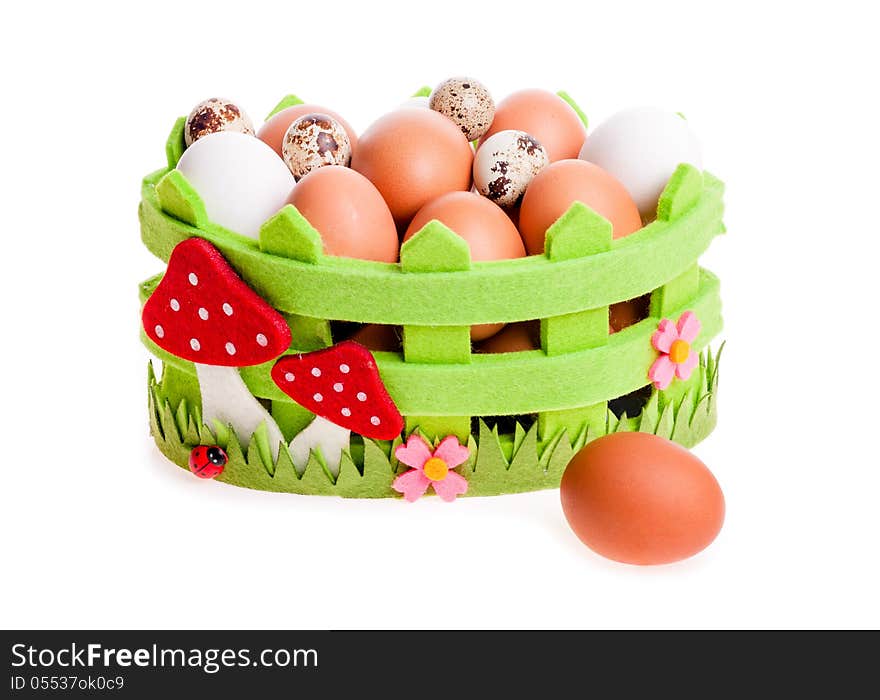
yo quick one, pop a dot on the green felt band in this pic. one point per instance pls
(527, 288)
(513, 383)
(178, 198)
(578, 233)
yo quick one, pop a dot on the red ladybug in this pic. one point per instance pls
(207, 462)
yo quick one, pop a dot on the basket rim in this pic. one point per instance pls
(370, 292)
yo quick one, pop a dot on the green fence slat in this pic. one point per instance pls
(578, 233)
(288, 234)
(435, 248)
(676, 294)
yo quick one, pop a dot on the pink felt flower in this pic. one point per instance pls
(431, 468)
(677, 357)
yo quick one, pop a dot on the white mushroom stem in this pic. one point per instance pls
(320, 435)
(226, 398)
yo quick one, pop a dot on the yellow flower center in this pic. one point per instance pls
(679, 351)
(436, 469)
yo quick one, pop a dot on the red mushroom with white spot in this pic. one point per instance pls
(342, 387)
(203, 312)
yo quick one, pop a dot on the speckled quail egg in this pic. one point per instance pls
(466, 102)
(315, 140)
(213, 115)
(505, 165)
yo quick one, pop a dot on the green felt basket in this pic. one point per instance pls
(555, 398)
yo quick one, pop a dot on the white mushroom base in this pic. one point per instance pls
(226, 399)
(320, 436)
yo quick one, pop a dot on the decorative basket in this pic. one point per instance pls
(522, 414)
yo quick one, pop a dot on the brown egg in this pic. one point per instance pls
(515, 337)
(641, 499)
(489, 232)
(379, 338)
(273, 131)
(547, 117)
(483, 224)
(348, 212)
(565, 182)
(413, 156)
(628, 313)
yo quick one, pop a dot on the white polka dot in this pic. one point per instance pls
(230, 348)
(375, 420)
(227, 309)
(195, 344)
(203, 314)
(174, 304)
(289, 376)
(345, 369)
(346, 412)
(160, 332)
(193, 279)
(262, 340)
(361, 396)
(318, 398)
(338, 387)
(316, 372)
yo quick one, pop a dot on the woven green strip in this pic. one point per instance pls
(371, 292)
(513, 383)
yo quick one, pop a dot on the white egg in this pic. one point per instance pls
(642, 147)
(241, 180)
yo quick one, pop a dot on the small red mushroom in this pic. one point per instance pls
(342, 387)
(203, 312)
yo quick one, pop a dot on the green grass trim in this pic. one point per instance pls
(371, 292)
(498, 463)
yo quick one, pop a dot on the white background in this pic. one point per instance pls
(784, 97)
